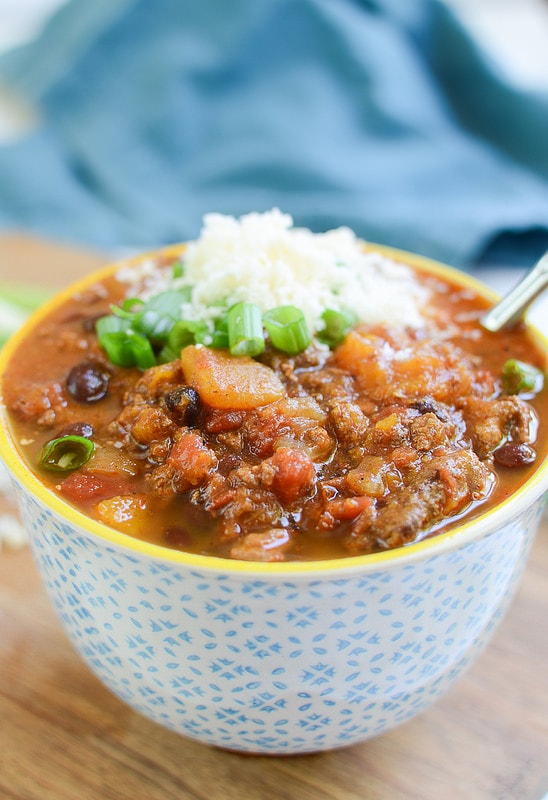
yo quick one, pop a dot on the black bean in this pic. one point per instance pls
(184, 403)
(514, 454)
(84, 429)
(429, 406)
(88, 382)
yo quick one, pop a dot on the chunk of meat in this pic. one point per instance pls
(160, 480)
(151, 424)
(158, 381)
(330, 383)
(349, 422)
(251, 508)
(489, 422)
(42, 403)
(231, 382)
(428, 432)
(370, 476)
(448, 483)
(391, 430)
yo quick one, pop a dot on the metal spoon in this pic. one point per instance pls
(513, 306)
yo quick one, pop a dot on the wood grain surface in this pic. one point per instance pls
(63, 736)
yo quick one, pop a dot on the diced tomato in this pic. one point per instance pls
(192, 461)
(344, 508)
(221, 420)
(295, 474)
(88, 487)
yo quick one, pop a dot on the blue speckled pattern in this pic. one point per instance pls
(277, 665)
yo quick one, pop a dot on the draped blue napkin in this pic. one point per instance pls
(379, 114)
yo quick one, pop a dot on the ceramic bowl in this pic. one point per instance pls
(275, 658)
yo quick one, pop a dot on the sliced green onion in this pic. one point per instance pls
(130, 302)
(182, 334)
(141, 349)
(124, 346)
(23, 296)
(111, 323)
(518, 376)
(160, 313)
(66, 453)
(126, 310)
(245, 330)
(337, 324)
(220, 334)
(287, 328)
(16, 302)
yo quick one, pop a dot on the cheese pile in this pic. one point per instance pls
(263, 259)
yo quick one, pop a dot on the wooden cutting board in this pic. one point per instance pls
(63, 736)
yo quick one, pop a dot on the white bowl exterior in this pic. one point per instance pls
(277, 664)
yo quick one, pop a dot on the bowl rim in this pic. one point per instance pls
(456, 537)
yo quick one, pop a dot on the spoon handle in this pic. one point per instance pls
(513, 306)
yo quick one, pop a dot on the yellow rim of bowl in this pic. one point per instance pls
(438, 543)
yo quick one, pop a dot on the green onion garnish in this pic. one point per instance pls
(127, 309)
(159, 314)
(66, 453)
(517, 377)
(337, 325)
(182, 334)
(177, 269)
(111, 323)
(124, 346)
(219, 339)
(245, 330)
(128, 349)
(287, 328)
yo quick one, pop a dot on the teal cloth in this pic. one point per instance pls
(379, 114)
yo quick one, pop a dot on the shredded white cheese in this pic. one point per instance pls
(263, 259)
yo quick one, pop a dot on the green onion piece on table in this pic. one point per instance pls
(16, 303)
(177, 269)
(288, 329)
(518, 377)
(245, 330)
(66, 453)
(337, 324)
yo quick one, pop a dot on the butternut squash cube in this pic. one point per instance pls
(226, 381)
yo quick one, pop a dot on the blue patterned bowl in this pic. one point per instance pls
(275, 658)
